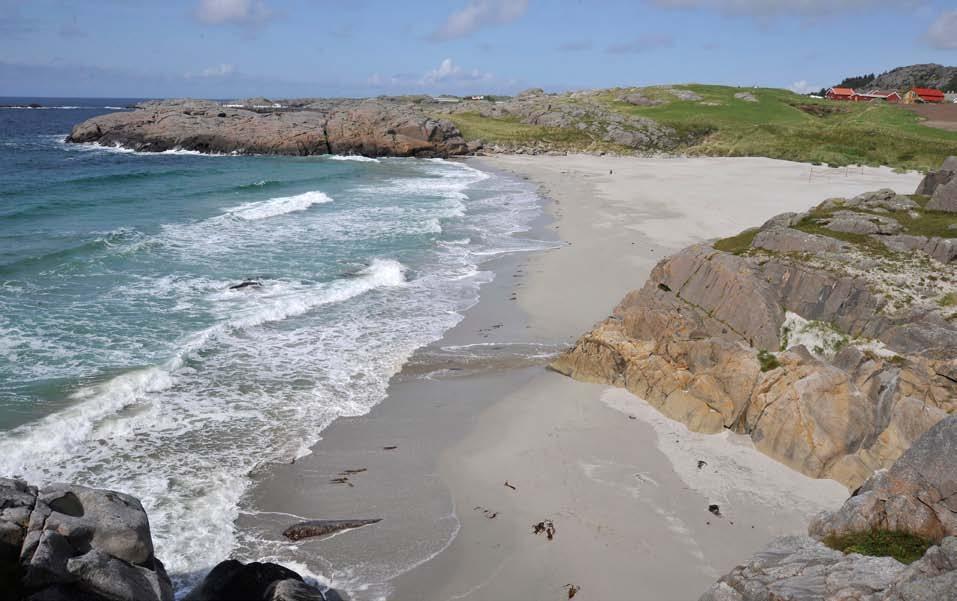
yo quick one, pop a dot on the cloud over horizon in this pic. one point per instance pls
(478, 14)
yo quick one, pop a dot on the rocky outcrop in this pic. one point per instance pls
(72, 542)
(798, 568)
(917, 495)
(815, 337)
(255, 581)
(67, 542)
(584, 113)
(368, 127)
(930, 75)
(941, 186)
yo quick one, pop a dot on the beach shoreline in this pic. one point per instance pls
(623, 486)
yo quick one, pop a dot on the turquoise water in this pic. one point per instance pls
(127, 361)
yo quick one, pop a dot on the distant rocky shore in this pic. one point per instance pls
(829, 337)
(367, 127)
(66, 542)
(406, 126)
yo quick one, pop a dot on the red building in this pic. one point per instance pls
(841, 94)
(925, 95)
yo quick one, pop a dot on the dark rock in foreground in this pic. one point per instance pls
(255, 581)
(367, 127)
(72, 542)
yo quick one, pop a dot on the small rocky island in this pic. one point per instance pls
(829, 337)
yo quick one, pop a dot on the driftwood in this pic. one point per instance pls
(314, 528)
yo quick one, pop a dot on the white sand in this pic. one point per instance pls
(627, 497)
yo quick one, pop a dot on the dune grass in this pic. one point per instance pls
(902, 546)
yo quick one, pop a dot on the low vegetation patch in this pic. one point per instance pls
(902, 546)
(784, 125)
(948, 300)
(510, 130)
(737, 244)
(768, 361)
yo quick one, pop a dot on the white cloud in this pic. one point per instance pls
(223, 70)
(766, 8)
(803, 87)
(448, 71)
(234, 12)
(943, 31)
(478, 14)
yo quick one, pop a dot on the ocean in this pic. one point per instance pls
(128, 360)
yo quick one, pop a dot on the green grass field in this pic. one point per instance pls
(781, 125)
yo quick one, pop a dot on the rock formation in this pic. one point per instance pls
(72, 543)
(917, 495)
(67, 542)
(821, 335)
(367, 127)
(798, 568)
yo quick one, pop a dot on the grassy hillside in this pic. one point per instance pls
(780, 125)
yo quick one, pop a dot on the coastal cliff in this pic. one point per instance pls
(829, 337)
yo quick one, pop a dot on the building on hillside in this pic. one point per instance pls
(889, 96)
(445, 99)
(840, 94)
(921, 95)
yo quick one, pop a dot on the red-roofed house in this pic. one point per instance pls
(841, 94)
(924, 95)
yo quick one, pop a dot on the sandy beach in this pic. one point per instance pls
(462, 463)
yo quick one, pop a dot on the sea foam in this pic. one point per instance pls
(273, 207)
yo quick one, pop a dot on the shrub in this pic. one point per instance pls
(902, 546)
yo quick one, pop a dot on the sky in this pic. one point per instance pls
(292, 48)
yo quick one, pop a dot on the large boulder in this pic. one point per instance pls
(945, 196)
(73, 542)
(255, 581)
(918, 494)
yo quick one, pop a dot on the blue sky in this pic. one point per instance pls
(234, 48)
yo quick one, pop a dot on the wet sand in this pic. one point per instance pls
(626, 490)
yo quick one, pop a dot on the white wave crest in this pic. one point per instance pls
(273, 207)
(352, 157)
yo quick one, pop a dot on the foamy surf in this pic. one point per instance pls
(274, 207)
(352, 157)
(181, 387)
